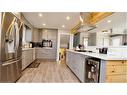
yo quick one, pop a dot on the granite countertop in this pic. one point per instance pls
(101, 56)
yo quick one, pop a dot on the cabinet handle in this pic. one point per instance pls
(122, 62)
(113, 69)
(8, 63)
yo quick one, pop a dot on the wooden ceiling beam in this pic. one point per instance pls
(93, 18)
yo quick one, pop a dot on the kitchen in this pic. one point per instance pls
(63, 47)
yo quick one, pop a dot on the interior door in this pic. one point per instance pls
(11, 37)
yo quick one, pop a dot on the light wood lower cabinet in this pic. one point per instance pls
(116, 79)
(116, 71)
(28, 56)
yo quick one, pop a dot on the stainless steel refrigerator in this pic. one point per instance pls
(10, 47)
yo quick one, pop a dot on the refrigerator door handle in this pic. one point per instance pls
(7, 63)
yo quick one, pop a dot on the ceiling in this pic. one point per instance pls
(52, 19)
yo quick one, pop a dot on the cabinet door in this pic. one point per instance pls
(27, 58)
(76, 63)
(116, 63)
(33, 54)
(45, 34)
(80, 67)
(70, 60)
(24, 60)
(116, 70)
(116, 79)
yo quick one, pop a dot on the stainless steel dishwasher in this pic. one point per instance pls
(92, 70)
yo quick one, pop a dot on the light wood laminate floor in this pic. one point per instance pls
(48, 72)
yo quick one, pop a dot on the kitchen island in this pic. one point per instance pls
(113, 68)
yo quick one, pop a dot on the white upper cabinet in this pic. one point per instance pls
(45, 34)
(49, 34)
(35, 35)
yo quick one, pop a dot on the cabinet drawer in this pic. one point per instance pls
(116, 63)
(116, 79)
(116, 70)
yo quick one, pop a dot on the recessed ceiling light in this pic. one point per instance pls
(63, 26)
(40, 15)
(44, 24)
(68, 18)
(109, 21)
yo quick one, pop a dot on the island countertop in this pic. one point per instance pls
(23, 49)
(100, 56)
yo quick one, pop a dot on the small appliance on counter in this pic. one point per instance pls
(80, 47)
(36, 44)
(103, 50)
(46, 43)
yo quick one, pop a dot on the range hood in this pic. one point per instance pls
(85, 27)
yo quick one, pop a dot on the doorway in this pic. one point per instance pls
(64, 44)
(65, 41)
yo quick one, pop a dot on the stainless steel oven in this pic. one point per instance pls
(92, 70)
